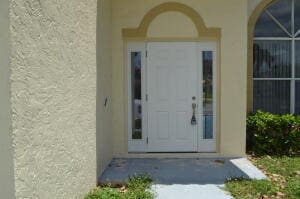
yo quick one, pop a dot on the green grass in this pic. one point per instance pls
(136, 188)
(284, 182)
(243, 189)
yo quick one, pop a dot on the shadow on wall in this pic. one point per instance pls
(7, 189)
(103, 113)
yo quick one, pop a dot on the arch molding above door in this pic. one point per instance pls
(141, 31)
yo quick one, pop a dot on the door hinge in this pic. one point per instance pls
(147, 140)
(146, 97)
(146, 53)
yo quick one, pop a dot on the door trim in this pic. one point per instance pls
(141, 146)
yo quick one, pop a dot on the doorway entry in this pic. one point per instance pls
(172, 97)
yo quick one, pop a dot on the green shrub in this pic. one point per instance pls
(105, 193)
(269, 134)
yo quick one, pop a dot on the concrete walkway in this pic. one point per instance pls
(183, 178)
(189, 192)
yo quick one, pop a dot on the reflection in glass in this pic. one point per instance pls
(297, 59)
(274, 56)
(272, 59)
(282, 11)
(297, 100)
(272, 96)
(136, 92)
(266, 27)
(208, 94)
(297, 16)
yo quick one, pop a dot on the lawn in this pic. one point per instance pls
(136, 188)
(284, 180)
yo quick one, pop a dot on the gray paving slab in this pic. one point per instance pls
(173, 171)
(190, 178)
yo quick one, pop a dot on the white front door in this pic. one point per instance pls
(172, 88)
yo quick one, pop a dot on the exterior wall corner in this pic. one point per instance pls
(7, 188)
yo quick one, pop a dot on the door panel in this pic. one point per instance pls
(181, 127)
(162, 121)
(171, 85)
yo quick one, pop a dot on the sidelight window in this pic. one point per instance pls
(136, 92)
(208, 105)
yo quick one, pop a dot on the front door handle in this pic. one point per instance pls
(194, 120)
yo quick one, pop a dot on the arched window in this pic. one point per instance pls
(276, 53)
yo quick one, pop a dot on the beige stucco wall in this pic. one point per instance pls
(104, 116)
(231, 17)
(53, 97)
(6, 150)
(161, 26)
(252, 4)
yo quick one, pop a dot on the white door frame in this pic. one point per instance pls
(141, 146)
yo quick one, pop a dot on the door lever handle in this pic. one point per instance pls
(194, 120)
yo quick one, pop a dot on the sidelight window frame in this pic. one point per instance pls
(136, 145)
(207, 145)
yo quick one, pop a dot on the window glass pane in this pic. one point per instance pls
(297, 59)
(208, 94)
(282, 11)
(136, 92)
(266, 27)
(297, 16)
(297, 101)
(272, 59)
(272, 96)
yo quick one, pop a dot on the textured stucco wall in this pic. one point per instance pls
(104, 102)
(53, 96)
(6, 150)
(231, 17)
